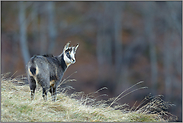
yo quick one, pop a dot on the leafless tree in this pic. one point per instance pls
(149, 12)
(118, 6)
(43, 31)
(171, 48)
(51, 25)
(23, 30)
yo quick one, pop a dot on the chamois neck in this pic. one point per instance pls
(62, 62)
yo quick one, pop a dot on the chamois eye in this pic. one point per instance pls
(68, 55)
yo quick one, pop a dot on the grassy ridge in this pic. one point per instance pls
(17, 107)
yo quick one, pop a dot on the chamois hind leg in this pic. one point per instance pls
(44, 84)
(32, 84)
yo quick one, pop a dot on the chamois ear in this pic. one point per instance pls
(76, 47)
(66, 46)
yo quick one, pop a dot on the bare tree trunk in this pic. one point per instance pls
(150, 36)
(34, 19)
(170, 49)
(107, 48)
(51, 26)
(107, 45)
(118, 35)
(175, 24)
(167, 66)
(104, 43)
(167, 59)
(23, 36)
(99, 49)
(123, 79)
(121, 68)
(43, 39)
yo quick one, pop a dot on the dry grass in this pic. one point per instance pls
(17, 107)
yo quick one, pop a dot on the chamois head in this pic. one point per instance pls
(69, 54)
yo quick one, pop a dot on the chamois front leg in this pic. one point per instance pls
(53, 92)
(44, 94)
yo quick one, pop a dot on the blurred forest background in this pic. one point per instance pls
(121, 43)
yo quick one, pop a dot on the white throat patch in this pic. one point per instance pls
(70, 60)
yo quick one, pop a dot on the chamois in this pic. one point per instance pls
(48, 70)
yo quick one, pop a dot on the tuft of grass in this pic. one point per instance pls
(77, 107)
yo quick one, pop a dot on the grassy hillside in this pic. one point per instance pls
(17, 107)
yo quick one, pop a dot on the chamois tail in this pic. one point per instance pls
(33, 70)
(33, 67)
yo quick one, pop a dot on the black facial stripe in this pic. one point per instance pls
(68, 55)
(69, 49)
